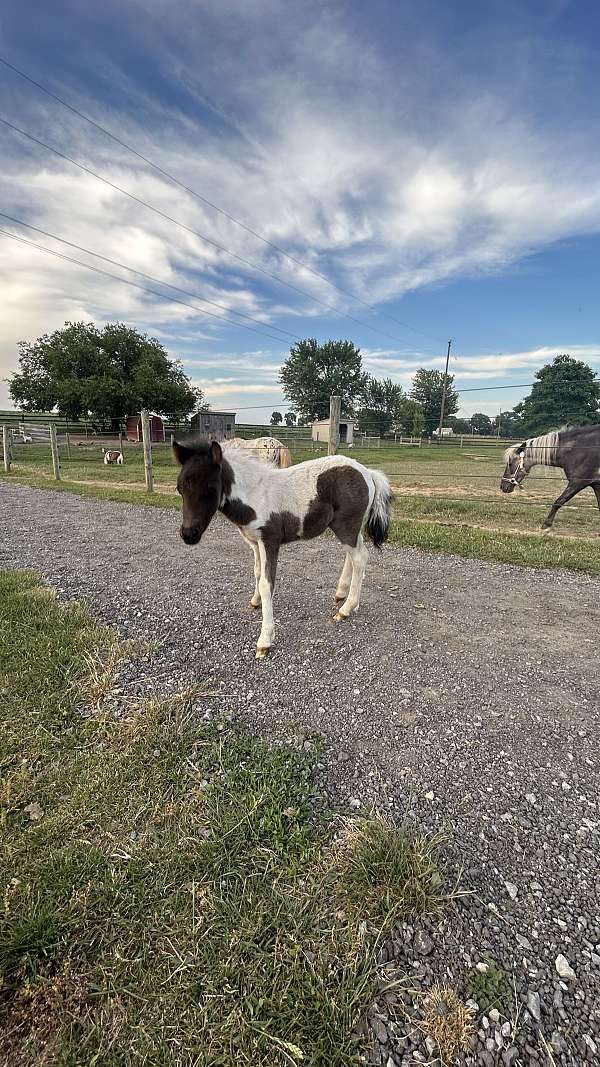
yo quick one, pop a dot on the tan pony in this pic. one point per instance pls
(267, 449)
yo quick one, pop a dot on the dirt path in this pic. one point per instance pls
(465, 695)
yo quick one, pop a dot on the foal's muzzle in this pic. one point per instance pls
(191, 534)
(507, 486)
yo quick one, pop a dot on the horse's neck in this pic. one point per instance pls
(250, 479)
(542, 450)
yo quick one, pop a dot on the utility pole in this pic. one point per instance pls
(445, 386)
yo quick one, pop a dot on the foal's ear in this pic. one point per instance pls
(181, 453)
(216, 452)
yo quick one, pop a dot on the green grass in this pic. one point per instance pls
(491, 989)
(522, 549)
(451, 501)
(169, 889)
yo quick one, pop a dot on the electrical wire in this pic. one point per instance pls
(203, 199)
(148, 277)
(196, 233)
(135, 285)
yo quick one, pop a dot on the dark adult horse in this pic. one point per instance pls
(576, 450)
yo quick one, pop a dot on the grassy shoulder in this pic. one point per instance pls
(172, 888)
(523, 549)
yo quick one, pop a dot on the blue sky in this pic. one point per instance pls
(439, 161)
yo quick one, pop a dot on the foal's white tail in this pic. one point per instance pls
(379, 514)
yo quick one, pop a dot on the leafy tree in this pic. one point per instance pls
(482, 424)
(103, 373)
(290, 418)
(412, 419)
(459, 425)
(276, 418)
(313, 372)
(565, 392)
(510, 424)
(382, 405)
(427, 389)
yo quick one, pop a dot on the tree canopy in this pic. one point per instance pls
(276, 418)
(427, 388)
(382, 405)
(103, 374)
(565, 392)
(482, 424)
(313, 373)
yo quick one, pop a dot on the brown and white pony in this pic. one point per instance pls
(112, 455)
(268, 449)
(272, 507)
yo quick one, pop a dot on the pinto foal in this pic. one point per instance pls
(273, 507)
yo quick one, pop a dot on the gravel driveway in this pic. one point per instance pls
(464, 696)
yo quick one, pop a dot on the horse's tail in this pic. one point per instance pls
(379, 514)
(285, 457)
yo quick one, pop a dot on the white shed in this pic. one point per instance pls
(320, 430)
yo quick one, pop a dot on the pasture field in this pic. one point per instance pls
(170, 888)
(447, 499)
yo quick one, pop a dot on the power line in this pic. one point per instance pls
(196, 233)
(205, 200)
(150, 278)
(135, 285)
(512, 385)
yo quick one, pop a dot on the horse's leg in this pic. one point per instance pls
(343, 585)
(358, 557)
(596, 488)
(572, 489)
(255, 598)
(268, 569)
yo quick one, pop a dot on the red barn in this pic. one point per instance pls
(133, 428)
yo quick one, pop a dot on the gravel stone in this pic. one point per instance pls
(564, 968)
(533, 1005)
(422, 943)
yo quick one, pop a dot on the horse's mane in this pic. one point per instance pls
(542, 449)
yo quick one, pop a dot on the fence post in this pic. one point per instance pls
(121, 444)
(54, 450)
(335, 409)
(147, 450)
(68, 444)
(6, 447)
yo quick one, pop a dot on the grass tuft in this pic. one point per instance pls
(491, 989)
(448, 1021)
(387, 873)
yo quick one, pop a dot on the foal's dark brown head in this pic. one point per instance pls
(200, 484)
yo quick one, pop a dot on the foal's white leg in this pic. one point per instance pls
(255, 600)
(358, 557)
(343, 585)
(268, 564)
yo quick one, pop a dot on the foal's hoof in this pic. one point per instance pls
(546, 530)
(338, 617)
(252, 606)
(262, 653)
(340, 599)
